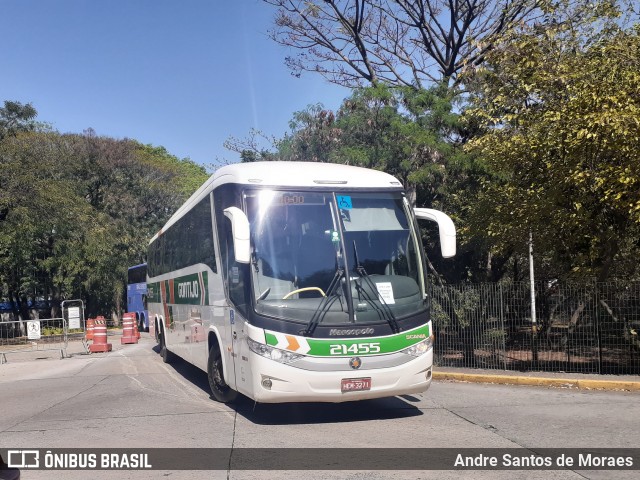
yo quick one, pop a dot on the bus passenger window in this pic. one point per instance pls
(235, 273)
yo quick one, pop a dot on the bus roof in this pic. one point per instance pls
(289, 174)
(304, 174)
(137, 266)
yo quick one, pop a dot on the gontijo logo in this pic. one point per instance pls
(186, 290)
(189, 289)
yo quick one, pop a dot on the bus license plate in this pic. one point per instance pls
(356, 384)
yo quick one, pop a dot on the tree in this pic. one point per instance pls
(38, 201)
(16, 117)
(412, 43)
(77, 210)
(254, 148)
(561, 113)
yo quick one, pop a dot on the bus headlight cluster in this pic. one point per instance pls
(419, 348)
(282, 356)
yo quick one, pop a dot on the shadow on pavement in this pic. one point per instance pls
(302, 412)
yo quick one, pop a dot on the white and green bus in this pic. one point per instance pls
(294, 282)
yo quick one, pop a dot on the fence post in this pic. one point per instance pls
(504, 331)
(598, 330)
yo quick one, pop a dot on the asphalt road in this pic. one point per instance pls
(130, 399)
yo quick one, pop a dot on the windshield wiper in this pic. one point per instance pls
(384, 310)
(326, 302)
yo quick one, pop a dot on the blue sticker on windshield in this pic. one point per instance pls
(344, 202)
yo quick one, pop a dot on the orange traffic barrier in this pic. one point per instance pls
(88, 334)
(129, 328)
(136, 330)
(100, 337)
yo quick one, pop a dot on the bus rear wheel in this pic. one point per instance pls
(219, 388)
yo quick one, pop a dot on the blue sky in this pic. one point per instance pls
(184, 74)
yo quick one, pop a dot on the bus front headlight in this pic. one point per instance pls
(420, 348)
(272, 353)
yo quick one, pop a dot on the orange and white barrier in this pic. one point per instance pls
(91, 323)
(100, 337)
(129, 329)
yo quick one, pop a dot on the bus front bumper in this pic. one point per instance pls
(274, 382)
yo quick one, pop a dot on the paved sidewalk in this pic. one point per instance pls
(28, 353)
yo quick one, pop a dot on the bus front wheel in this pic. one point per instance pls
(219, 388)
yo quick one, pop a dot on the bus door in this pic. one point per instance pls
(236, 278)
(235, 274)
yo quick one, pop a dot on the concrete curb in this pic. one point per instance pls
(585, 384)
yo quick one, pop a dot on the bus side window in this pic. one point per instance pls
(235, 273)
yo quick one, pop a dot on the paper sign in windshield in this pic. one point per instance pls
(385, 291)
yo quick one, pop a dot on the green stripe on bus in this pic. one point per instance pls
(345, 347)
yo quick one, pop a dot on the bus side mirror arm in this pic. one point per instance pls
(445, 226)
(240, 232)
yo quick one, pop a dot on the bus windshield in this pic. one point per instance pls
(305, 245)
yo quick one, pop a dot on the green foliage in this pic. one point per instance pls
(16, 117)
(51, 331)
(561, 115)
(77, 210)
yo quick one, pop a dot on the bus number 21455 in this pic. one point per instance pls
(355, 349)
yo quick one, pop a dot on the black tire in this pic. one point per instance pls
(167, 356)
(219, 389)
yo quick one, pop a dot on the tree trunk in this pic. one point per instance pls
(576, 316)
(411, 193)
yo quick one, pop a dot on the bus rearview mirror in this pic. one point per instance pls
(240, 232)
(445, 226)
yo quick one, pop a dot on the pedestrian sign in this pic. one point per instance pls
(33, 329)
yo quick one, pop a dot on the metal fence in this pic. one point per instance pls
(44, 334)
(587, 328)
(25, 336)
